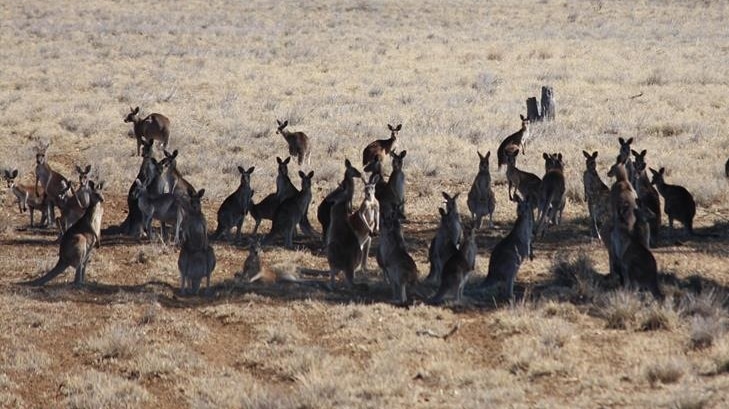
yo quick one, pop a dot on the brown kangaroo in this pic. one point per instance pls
(552, 192)
(49, 180)
(481, 199)
(527, 184)
(78, 242)
(26, 197)
(365, 222)
(291, 212)
(381, 147)
(679, 203)
(398, 266)
(457, 270)
(298, 143)
(234, 208)
(597, 195)
(447, 238)
(513, 141)
(324, 209)
(648, 195)
(197, 258)
(623, 202)
(638, 261)
(152, 127)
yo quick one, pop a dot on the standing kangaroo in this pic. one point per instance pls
(398, 266)
(513, 141)
(154, 127)
(148, 171)
(197, 258)
(552, 192)
(381, 147)
(481, 200)
(291, 212)
(298, 143)
(78, 242)
(365, 222)
(527, 184)
(679, 203)
(597, 195)
(347, 183)
(49, 180)
(166, 208)
(447, 238)
(26, 197)
(623, 202)
(234, 208)
(343, 249)
(179, 186)
(648, 195)
(457, 270)
(508, 254)
(266, 208)
(638, 261)
(624, 157)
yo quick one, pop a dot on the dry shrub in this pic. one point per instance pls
(666, 371)
(659, 316)
(114, 342)
(620, 309)
(578, 272)
(96, 390)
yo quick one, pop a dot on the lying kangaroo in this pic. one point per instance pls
(234, 208)
(679, 203)
(298, 143)
(154, 127)
(291, 212)
(197, 258)
(26, 197)
(513, 141)
(78, 242)
(552, 193)
(447, 238)
(381, 147)
(481, 200)
(512, 250)
(597, 195)
(457, 270)
(393, 258)
(324, 209)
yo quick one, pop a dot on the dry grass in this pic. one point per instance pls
(456, 76)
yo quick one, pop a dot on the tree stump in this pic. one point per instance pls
(548, 104)
(533, 109)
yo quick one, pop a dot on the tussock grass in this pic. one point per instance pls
(93, 389)
(117, 341)
(666, 371)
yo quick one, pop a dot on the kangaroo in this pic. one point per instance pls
(153, 127)
(515, 140)
(447, 238)
(266, 208)
(148, 171)
(623, 202)
(290, 212)
(26, 197)
(481, 200)
(457, 270)
(49, 180)
(285, 189)
(82, 193)
(180, 187)
(392, 192)
(324, 209)
(638, 261)
(552, 192)
(509, 253)
(397, 265)
(396, 182)
(234, 208)
(381, 147)
(298, 143)
(166, 208)
(78, 242)
(197, 257)
(679, 203)
(597, 195)
(365, 222)
(624, 155)
(71, 207)
(527, 184)
(648, 195)
(344, 252)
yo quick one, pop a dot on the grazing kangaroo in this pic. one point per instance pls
(623, 202)
(78, 242)
(513, 141)
(26, 197)
(154, 127)
(398, 266)
(679, 203)
(527, 184)
(481, 200)
(648, 195)
(365, 222)
(298, 143)
(290, 213)
(324, 209)
(552, 192)
(447, 238)
(166, 208)
(457, 270)
(381, 147)
(509, 253)
(597, 195)
(149, 170)
(49, 180)
(234, 208)
(344, 252)
(638, 261)
(197, 258)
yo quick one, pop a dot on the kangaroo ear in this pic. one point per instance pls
(621, 140)
(174, 153)
(279, 160)
(251, 169)
(286, 162)
(78, 169)
(545, 156)
(559, 156)
(310, 175)
(88, 169)
(653, 171)
(285, 124)
(662, 171)
(390, 127)
(302, 174)
(441, 211)
(488, 155)
(398, 127)
(200, 193)
(402, 154)
(241, 170)
(587, 155)
(630, 140)
(15, 173)
(135, 111)
(636, 154)
(445, 196)
(278, 122)
(522, 117)
(347, 163)
(643, 152)
(594, 154)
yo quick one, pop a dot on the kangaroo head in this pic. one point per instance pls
(524, 121)
(483, 160)
(657, 176)
(625, 147)
(245, 175)
(374, 167)
(350, 171)
(281, 126)
(96, 195)
(394, 130)
(639, 160)
(147, 148)
(590, 160)
(132, 116)
(83, 175)
(283, 168)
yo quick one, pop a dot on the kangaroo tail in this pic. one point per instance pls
(55, 272)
